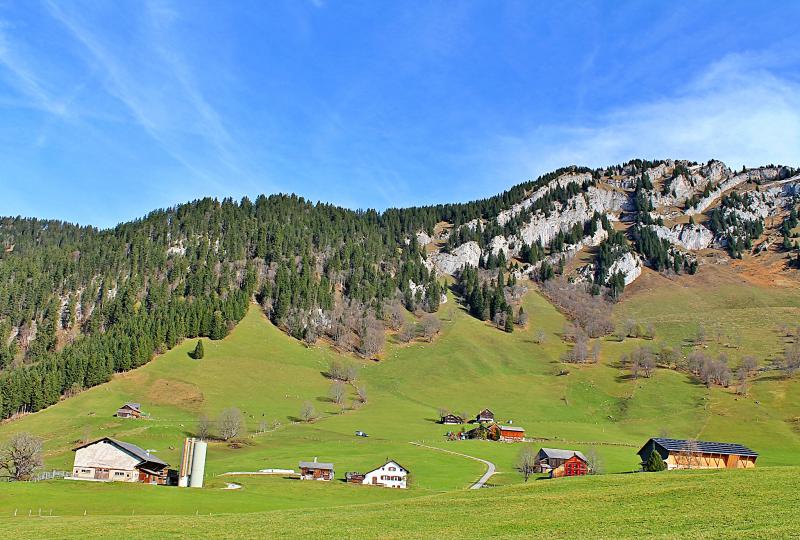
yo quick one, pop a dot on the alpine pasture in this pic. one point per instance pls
(269, 376)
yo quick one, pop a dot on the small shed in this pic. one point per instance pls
(315, 470)
(354, 477)
(451, 419)
(486, 415)
(512, 433)
(129, 410)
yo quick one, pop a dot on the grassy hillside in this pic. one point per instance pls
(470, 366)
(711, 504)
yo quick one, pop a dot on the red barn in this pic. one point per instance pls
(512, 433)
(574, 466)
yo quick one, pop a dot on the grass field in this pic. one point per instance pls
(470, 366)
(760, 503)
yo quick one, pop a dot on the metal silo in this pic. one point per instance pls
(198, 464)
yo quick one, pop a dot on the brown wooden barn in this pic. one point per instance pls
(451, 419)
(691, 454)
(129, 410)
(512, 433)
(485, 415)
(558, 462)
(315, 470)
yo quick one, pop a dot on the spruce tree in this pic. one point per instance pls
(198, 350)
(655, 463)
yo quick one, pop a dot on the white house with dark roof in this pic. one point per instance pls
(391, 474)
(110, 460)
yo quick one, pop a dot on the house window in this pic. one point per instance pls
(392, 469)
(86, 471)
(119, 473)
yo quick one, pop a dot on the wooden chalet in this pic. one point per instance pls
(129, 410)
(110, 460)
(690, 454)
(451, 419)
(315, 470)
(512, 433)
(485, 415)
(557, 462)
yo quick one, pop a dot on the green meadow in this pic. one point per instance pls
(469, 366)
(754, 504)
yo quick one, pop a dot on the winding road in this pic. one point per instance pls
(490, 468)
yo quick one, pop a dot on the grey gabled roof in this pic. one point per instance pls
(385, 464)
(706, 447)
(130, 448)
(558, 453)
(512, 428)
(136, 406)
(316, 465)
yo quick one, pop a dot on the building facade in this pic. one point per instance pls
(110, 460)
(391, 475)
(692, 454)
(315, 470)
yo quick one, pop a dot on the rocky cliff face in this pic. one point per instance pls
(468, 253)
(690, 237)
(674, 183)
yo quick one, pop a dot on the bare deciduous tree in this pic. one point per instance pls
(337, 392)
(430, 327)
(373, 339)
(594, 461)
(741, 376)
(230, 423)
(540, 336)
(526, 461)
(749, 364)
(21, 456)
(396, 316)
(407, 332)
(307, 412)
(791, 359)
(361, 392)
(203, 427)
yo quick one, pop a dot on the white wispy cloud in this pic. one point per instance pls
(740, 110)
(24, 77)
(158, 89)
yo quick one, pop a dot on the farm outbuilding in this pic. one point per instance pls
(315, 470)
(110, 460)
(485, 415)
(558, 462)
(512, 433)
(451, 419)
(129, 410)
(691, 454)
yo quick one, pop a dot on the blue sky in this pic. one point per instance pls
(111, 109)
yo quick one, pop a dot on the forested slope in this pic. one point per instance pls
(78, 304)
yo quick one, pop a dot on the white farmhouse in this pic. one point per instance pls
(391, 474)
(110, 460)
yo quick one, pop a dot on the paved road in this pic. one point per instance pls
(490, 468)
